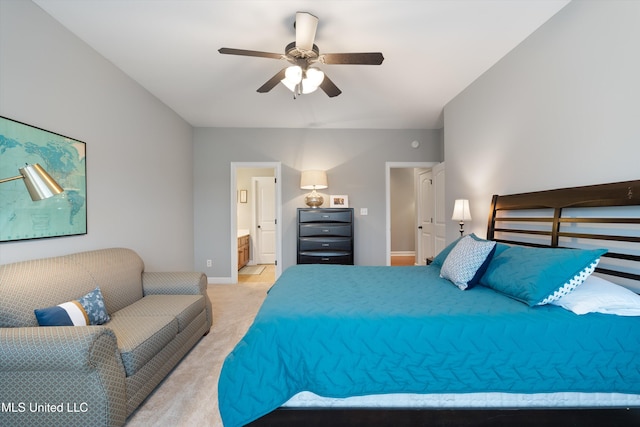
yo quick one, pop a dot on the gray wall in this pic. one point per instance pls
(355, 164)
(560, 110)
(139, 152)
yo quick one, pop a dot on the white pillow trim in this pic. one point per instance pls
(573, 283)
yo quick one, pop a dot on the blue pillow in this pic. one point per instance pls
(539, 276)
(465, 260)
(88, 310)
(439, 259)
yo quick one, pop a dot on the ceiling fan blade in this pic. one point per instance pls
(369, 58)
(306, 25)
(242, 52)
(329, 87)
(272, 82)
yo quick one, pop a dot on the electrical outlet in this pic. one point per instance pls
(364, 211)
(209, 263)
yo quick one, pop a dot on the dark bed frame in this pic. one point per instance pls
(567, 217)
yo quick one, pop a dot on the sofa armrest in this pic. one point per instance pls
(177, 283)
(174, 283)
(70, 375)
(57, 348)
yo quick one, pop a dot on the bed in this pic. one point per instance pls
(365, 345)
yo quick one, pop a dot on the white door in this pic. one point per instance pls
(265, 220)
(440, 218)
(424, 215)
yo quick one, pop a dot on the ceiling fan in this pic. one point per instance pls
(303, 76)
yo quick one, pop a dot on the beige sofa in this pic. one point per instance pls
(93, 375)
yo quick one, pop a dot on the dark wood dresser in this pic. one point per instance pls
(325, 236)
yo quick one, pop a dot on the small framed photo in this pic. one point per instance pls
(243, 196)
(338, 201)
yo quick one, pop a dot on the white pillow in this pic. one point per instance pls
(598, 295)
(464, 261)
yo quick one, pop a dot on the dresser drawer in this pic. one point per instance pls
(325, 216)
(324, 244)
(309, 230)
(324, 258)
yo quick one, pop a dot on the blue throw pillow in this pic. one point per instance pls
(539, 276)
(465, 260)
(88, 310)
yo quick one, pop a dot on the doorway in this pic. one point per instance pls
(417, 200)
(256, 209)
(263, 220)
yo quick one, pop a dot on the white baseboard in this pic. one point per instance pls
(403, 253)
(219, 281)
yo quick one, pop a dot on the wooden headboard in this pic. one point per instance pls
(596, 216)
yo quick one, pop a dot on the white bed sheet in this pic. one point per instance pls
(307, 399)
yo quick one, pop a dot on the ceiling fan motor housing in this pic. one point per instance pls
(296, 52)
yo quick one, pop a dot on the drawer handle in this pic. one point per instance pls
(326, 259)
(326, 216)
(325, 231)
(326, 245)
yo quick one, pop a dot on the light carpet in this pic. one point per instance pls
(189, 395)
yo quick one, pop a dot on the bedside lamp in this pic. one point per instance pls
(461, 213)
(39, 184)
(313, 180)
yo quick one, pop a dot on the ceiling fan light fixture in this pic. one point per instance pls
(307, 88)
(315, 76)
(293, 74)
(292, 77)
(302, 82)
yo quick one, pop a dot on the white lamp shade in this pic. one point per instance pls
(461, 210)
(313, 180)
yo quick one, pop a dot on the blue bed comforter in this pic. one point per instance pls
(342, 331)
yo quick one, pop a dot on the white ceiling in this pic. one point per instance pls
(433, 49)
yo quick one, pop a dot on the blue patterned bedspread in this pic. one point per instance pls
(343, 331)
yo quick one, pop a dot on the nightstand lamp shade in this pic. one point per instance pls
(461, 212)
(313, 180)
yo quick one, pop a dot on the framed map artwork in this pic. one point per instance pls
(64, 159)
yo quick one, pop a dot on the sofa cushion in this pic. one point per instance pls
(118, 272)
(140, 338)
(184, 308)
